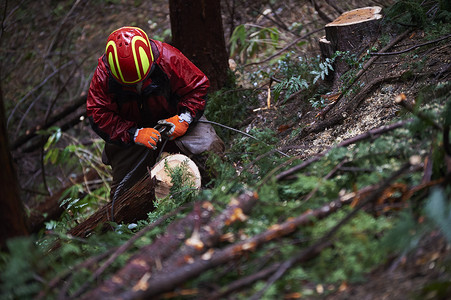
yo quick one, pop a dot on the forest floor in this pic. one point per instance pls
(406, 276)
(402, 276)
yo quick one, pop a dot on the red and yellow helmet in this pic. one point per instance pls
(129, 55)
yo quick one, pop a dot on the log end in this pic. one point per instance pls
(358, 15)
(163, 178)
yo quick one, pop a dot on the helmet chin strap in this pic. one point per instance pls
(139, 86)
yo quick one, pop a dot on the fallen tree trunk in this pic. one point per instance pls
(167, 279)
(130, 206)
(192, 236)
(137, 201)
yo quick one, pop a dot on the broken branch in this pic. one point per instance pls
(411, 48)
(316, 248)
(369, 134)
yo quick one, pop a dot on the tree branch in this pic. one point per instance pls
(316, 248)
(284, 49)
(164, 281)
(162, 250)
(64, 112)
(411, 48)
(367, 135)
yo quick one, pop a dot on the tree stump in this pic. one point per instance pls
(161, 172)
(353, 31)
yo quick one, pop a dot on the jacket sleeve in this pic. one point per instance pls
(187, 81)
(102, 111)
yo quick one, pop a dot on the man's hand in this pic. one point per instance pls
(148, 137)
(177, 126)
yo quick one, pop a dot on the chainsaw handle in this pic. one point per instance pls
(162, 128)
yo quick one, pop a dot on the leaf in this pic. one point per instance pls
(439, 211)
(238, 37)
(53, 138)
(52, 155)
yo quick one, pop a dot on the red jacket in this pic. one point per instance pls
(173, 86)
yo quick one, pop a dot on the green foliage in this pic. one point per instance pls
(419, 13)
(324, 68)
(408, 231)
(404, 235)
(412, 10)
(293, 85)
(356, 64)
(18, 270)
(304, 74)
(292, 64)
(437, 289)
(248, 40)
(80, 200)
(247, 151)
(229, 107)
(447, 114)
(356, 248)
(438, 209)
(182, 191)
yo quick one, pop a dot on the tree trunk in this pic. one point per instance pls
(185, 239)
(132, 205)
(353, 31)
(12, 215)
(197, 31)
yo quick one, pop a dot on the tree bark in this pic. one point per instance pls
(184, 240)
(12, 214)
(353, 31)
(131, 206)
(197, 31)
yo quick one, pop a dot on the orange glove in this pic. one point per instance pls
(148, 137)
(177, 126)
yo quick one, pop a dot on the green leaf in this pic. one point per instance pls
(439, 211)
(52, 155)
(53, 138)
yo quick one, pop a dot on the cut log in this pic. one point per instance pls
(161, 172)
(135, 203)
(130, 206)
(172, 249)
(353, 31)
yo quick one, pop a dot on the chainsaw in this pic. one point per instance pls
(162, 129)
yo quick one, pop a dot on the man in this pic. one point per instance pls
(140, 83)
